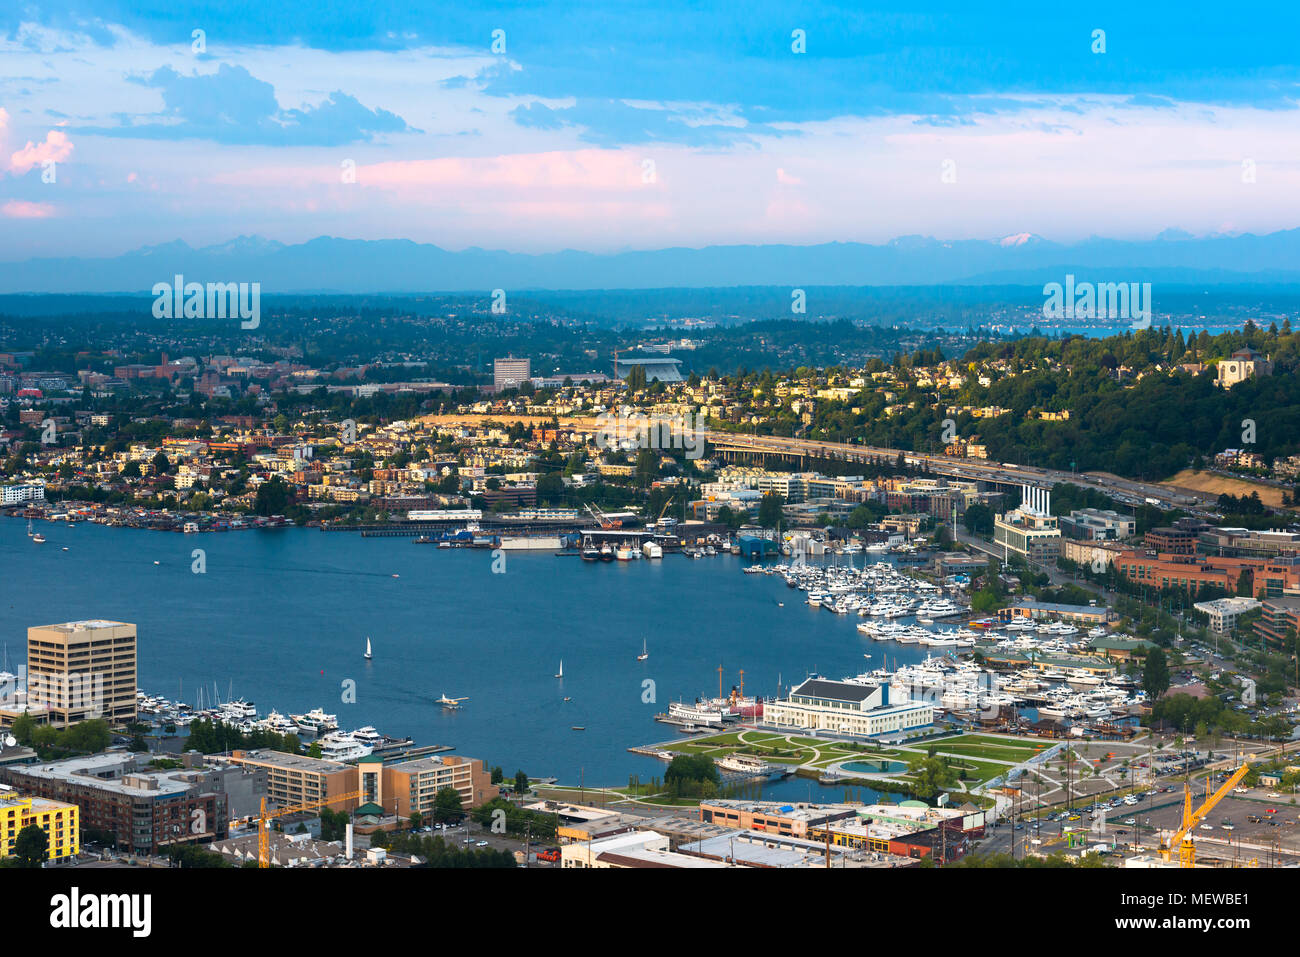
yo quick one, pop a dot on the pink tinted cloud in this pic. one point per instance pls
(585, 170)
(21, 209)
(55, 149)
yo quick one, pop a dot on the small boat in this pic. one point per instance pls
(368, 655)
(644, 654)
(38, 538)
(65, 548)
(560, 673)
(567, 698)
(578, 727)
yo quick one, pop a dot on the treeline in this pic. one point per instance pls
(437, 853)
(1126, 416)
(213, 737)
(517, 820)
(49, 742)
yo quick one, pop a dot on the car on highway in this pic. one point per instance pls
(1130, 821)
(1207, 827)
(480, 843)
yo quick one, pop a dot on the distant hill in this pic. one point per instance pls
(327, 264)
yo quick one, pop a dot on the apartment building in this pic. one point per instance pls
(145, 809)
(83, 669)
(18, 494)
(59, 821)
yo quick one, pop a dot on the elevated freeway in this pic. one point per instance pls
(1126, 491)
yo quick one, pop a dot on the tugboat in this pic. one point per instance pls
(606, 553)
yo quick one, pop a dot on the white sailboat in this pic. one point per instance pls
(644, 654)
(560, 673)
(368, 654)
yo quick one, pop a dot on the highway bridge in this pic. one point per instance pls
(1125, 491)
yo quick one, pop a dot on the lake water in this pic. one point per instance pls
(280, 617)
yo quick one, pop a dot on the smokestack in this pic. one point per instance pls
(347, 841)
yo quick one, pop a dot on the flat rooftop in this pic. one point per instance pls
(107, 771)
(290, 762)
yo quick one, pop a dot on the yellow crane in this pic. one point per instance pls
(663, 510)
(1182, 838)
(264, 821)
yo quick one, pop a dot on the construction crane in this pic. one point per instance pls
(602, 519)
(663, 511)
(1182, 838)
(264, 821)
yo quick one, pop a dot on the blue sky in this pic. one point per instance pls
(637, 125)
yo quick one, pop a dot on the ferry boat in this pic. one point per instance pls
(696, 713)
(752, 767)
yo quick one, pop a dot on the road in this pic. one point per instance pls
(1125, 490)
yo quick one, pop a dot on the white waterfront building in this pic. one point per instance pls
(847, 707)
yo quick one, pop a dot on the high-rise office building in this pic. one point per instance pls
(82, 669)
(509, 373)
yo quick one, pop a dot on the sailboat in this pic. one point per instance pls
(560, 673)
(644, 654)
(368, 654)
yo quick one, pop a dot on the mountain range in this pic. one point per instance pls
(331, 265)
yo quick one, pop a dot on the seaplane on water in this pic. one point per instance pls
(450, 704)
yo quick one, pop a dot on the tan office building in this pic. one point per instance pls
(298, 779)
(413, 786)
(401, 789)
(82, 669)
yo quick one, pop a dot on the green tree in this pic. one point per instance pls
(31, 846)
(272, 497)
(770, 510)
(1155, 673)
(446, 806)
